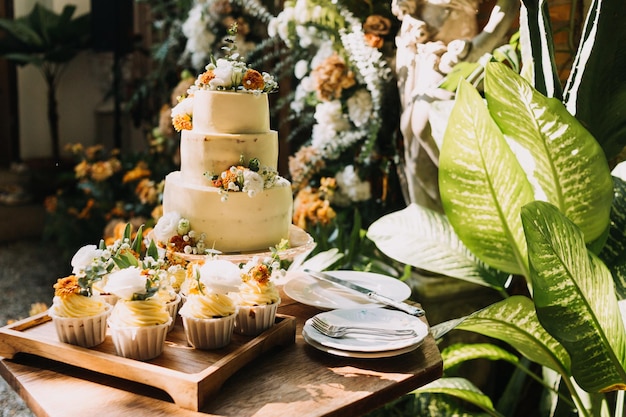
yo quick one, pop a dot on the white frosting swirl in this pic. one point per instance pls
(207, 306)
(77, 305)
(139, 313)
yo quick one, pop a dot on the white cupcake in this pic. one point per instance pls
(257, 300)
(209, 313)
(139, 321)
(78, 319)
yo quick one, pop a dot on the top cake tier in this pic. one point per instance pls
(230, 112)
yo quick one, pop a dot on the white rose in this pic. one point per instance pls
(351, 185)
(360, 107)
(85, 256)
(167, 227)
(252, 183)
(126, 282)
(220, 276)
(301, 69)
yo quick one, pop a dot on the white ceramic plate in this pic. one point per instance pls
(326, 296)
(379, 318)
(364, 355)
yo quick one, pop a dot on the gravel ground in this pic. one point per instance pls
(28, 269)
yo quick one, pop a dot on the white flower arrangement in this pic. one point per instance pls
(353, 116)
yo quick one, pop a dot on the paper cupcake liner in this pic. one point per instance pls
(253, 320)
(172, 309)
(140, 343)
(82, 331)
(209, 333)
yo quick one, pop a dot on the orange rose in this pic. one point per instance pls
(377, 24)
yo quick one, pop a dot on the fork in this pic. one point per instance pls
(335, 331)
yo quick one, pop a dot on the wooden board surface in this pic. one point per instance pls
(190, 376)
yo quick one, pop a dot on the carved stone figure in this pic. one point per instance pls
(434, 36)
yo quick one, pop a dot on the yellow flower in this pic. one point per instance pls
(146, 191)
(139, 172)
(101, 170)
(182, 122)
(82, 169)
(92, 152)
(67, 286)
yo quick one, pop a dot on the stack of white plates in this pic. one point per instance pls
(347, 307)
(359, 345)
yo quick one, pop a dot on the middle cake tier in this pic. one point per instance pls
(203, 155)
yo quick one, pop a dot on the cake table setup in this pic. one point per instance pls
(196, 319)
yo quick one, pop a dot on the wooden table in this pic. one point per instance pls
(293, 380)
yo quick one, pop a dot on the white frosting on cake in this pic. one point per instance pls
(212, 153)
(239, 224)
(228, 126)
(229, 112)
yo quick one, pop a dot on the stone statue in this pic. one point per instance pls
(434, 36)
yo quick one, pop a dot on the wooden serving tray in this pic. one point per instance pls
(190, 376)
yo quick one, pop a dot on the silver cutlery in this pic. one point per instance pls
(336, 331)
(373, 295)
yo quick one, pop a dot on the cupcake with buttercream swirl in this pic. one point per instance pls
(140, 320)
(257, 297)
(209, 312)
(80, 318)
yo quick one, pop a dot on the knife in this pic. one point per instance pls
(373, 295)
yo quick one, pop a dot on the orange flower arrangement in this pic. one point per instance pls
(253, 80)
(332, 77)
(67, 286)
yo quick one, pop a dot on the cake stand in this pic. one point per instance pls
(300, 244)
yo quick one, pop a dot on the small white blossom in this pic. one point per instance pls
(253, 183)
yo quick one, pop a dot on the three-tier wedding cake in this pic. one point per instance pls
(228, 188)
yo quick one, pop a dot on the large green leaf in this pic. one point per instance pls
(570, 166)
(482, 185)
(458, 353)
(423, 238)
(460, 388)
(596, 89)
(515, 322)
(575, 299)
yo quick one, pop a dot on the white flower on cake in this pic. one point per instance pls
(175, 233)
(167, 226)
(252, 183)
(128, 283)
(248, 178)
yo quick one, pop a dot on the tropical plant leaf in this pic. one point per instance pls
(423, 238)
(460, 388)
(538, 47)
(515, 322)
(458, 353)
(614, 250)
(483, 186)
(575, 299)
(570, 166)
(596, 89)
